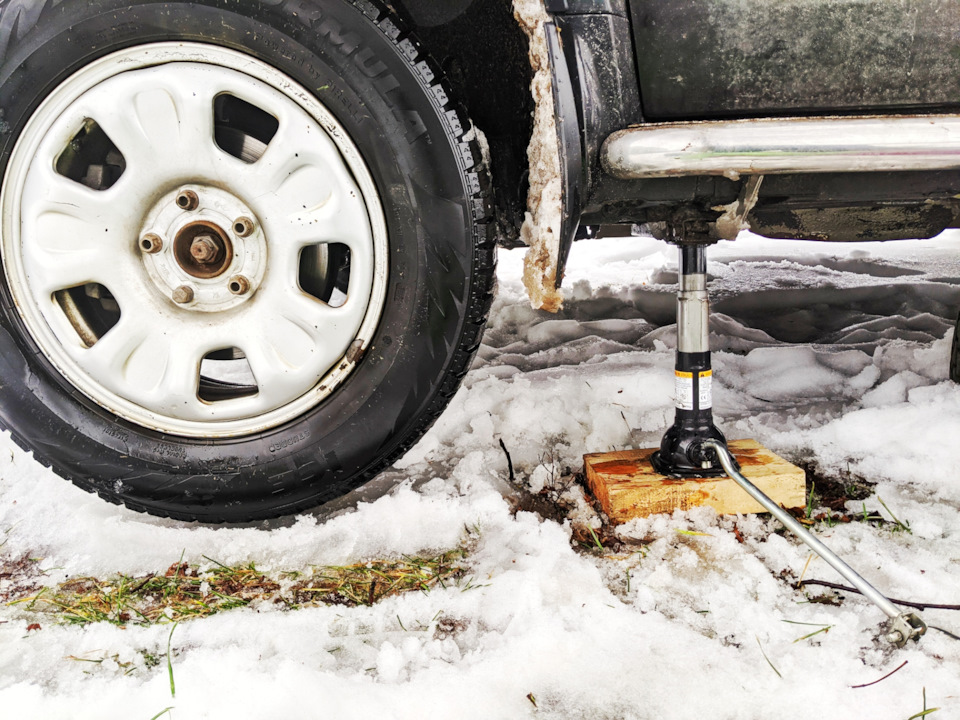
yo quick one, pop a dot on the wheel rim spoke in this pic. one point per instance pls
(73, 239)
(308, 195)
(150, 363)
(161, 122)
(48, 191)
(340, 218)
(177, 391)
(112, 354)
(293, 339)
(332, 326)
(64, 270)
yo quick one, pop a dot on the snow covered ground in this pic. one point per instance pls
(833, 356)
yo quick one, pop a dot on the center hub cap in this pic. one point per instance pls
(203, 250)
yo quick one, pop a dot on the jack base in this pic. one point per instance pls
(627, 487)
(680, 453)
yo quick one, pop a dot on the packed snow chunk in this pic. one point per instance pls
(929, 361)
(541, 228)
(731, 335)
(543, 476)
(778, 373)
(894, 442)
(894, 390)
(483, 429)
(390, 663)
(581, 290)
(849, 362)
(921, 328)
(942, 397)
(554, 332)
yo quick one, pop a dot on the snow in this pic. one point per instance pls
(543, 218)
(830, 355)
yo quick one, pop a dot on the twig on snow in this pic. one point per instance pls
(854, 687)
(509, 460)
(945, 632)
(847, 588)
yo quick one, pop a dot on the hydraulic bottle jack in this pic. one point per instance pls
(682, 453)
(694, 453)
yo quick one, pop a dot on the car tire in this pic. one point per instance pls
(328, 405)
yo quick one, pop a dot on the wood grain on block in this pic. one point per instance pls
(627, 486)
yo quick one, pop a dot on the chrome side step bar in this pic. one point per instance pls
(769, 146)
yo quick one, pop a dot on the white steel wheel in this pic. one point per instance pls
(145, 244)
(247, 248)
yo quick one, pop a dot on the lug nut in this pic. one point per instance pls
(204, 250)
(188, 200)
(243, 226)
(151, 243)
(183, 295)
(238, 285)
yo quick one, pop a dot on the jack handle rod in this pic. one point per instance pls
(906, 625)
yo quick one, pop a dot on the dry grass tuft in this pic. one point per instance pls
(186, 592)
(367, 583)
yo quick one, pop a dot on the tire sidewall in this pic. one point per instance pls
(393, 116)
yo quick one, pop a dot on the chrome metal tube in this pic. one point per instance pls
(693, 314)
(766, 146)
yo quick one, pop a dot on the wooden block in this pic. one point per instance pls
(628, 487)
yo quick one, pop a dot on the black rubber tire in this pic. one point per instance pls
(416, 142)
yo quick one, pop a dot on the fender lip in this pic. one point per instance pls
(797, 145)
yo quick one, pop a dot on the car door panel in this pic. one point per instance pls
(730, 58)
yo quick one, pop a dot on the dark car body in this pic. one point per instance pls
(622, 63)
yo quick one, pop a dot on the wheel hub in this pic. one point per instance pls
(212, 255)
(207, 250)
(203, 250)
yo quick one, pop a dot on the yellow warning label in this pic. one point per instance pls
(705, 386)
(684, 389)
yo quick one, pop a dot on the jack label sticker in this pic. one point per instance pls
(685, 390)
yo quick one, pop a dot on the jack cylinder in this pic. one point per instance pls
(681, 453)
